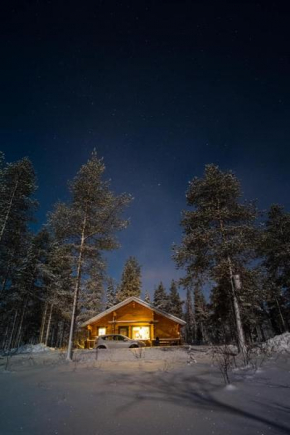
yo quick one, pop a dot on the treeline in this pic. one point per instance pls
(52, 281)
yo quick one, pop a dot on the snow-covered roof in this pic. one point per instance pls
(125, 302)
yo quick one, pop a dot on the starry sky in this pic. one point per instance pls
(159, 88)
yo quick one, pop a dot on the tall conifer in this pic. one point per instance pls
(174, 305)
(160, 298)
(87, 225)
(131, 280)
(219, 234)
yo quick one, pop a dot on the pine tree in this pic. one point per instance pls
(160, 298)
(131, 280)
(174, 305)
(147, 298)
(87, 224)
(91, 300)
(24, 298)
(57, 290)
(16, 203)
(275, 247)
(219, 235)
(17, 187)
(111, 293)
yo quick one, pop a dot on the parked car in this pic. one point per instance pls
(117, 341)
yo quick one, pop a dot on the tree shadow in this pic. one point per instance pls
(199, 391)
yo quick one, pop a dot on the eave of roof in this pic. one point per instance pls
(127, 301)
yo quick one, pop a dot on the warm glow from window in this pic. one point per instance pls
(141, 333)
(102, 331)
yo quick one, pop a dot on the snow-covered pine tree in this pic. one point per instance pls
(174, 305)
(16, 204)
(160, 298)
(219, 234)
(57, 289)
(24, 295)
(131, 280)
(17, 187)
(111, 293)
(88, 223)
(147, 298)
(91, 301)
(275, 248)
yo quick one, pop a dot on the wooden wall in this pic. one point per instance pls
(166, 328)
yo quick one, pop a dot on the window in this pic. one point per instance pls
(141, 333)
(101, 331)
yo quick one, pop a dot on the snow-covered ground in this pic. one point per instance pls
(155, 391)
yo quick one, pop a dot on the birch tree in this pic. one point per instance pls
(87, 224)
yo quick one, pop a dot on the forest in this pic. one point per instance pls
(235, 258)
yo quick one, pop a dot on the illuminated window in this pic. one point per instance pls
(101, 331)
(141, 333)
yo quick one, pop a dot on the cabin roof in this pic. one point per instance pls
(127, 301)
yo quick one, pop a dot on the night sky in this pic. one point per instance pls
(160, 88)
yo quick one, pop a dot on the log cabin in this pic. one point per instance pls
(137, 320)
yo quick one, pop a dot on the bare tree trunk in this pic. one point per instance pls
(5, 338)
(8, 211)
(76, 293)
(12, 332)
(62, 334)
(5, 278)
(43, 324)
(18, 337)
(281, 315)
(48, 325)
(236, 285)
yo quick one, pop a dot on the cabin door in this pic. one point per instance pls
(124, 330)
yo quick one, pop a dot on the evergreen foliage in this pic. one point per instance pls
(111, 293)
(147, 298)
(160, 298)
(174, 305)
(275, 249)
(53, 281)
(17, 247)
(87, 226)
(219, 235)
(17, 206)
(131, 280)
